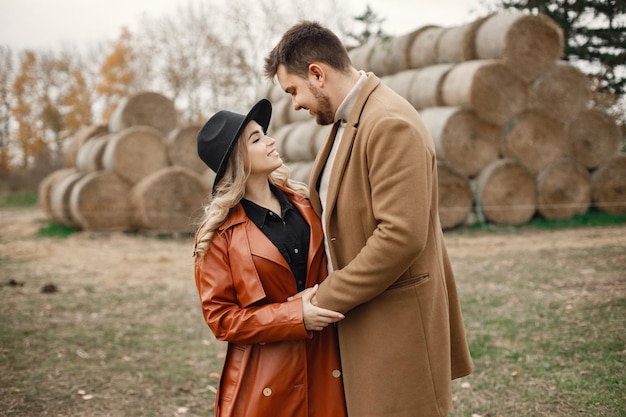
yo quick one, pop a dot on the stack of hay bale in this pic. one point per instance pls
(140, 172)
(514, 127)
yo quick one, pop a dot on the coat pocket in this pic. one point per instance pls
(408, 282)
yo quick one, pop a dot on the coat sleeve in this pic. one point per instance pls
(400, 176)
(227, 319)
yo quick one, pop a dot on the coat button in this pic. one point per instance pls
(336, 373)
(267, 392)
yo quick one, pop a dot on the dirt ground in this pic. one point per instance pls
(162, 268)
(119, 256)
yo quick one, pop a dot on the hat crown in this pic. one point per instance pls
(218, 136)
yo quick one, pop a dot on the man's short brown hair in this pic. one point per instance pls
(304, 43)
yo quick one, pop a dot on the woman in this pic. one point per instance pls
(260, 243)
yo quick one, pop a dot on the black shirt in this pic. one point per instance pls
(289, 232)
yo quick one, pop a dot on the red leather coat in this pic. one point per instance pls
(273, 365)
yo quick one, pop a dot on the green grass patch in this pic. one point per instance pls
(56, 230)
(21, 199)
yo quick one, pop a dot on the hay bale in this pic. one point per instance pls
(455, 196)
(360, 56)
(297, 144)
(135, 152)
(168, 201)
(144, 109)
(44, 189)
(592, 137)
(89, 156)
(534, 139)
(425, 87)
(280, 136)
(561, 92)
(182, 148)
(82, 136)
(280, 114)
(506, 193)
(319, 138)
(463, 140)
(378, 56)
(423, 51)
(608, 185)
(528, 44)
(60, 194)
(488, 86)
(456, 44)
(300, 170)
(400, 82)
(208, 177)
(398, 57)
(563, 190)
(100, 202)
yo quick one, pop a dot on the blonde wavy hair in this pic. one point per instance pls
(230, 190)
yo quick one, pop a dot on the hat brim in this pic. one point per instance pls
(261, 113)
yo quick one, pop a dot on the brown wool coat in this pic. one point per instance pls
(273, 366)
(403, 338)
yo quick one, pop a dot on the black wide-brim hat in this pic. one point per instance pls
(218, 136)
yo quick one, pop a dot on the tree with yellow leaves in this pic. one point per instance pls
(117, 76)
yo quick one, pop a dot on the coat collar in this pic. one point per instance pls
(259, 245)
(347, 140)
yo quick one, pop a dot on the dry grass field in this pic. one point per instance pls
(96, 325)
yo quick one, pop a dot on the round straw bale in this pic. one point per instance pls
(297, 144)
(488, 86)
(561, 92)
(270, 90)
(528, 44)
(455, 196)
(144, 109)
(400, 82)
(168, 201)
(425, 88)
(100, 202)
(319, 138)
(563, 190)
(360, 56)
(45, 189)
(592, 137)
(280, 114)
(463, 140)
(300, 171)
(82, 136)
(506, 192)
(456, 44)
(280, 136)
(534, 139)
(378, 57)
(89, 156)
(208, 177)
(60, 194)
(423, 51)
(135, 152)
(608, 185)
(398, 57)
(182, 148)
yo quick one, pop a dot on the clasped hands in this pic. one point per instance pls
(315, 318)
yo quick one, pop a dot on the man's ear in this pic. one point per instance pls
(317, 73)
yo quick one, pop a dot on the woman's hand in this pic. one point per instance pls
(316, 318)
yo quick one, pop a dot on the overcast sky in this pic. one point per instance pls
(48, 24)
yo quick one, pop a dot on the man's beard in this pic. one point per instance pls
(324, 114)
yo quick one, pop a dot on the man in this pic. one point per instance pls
(374, 184)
